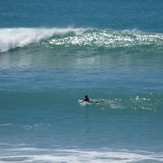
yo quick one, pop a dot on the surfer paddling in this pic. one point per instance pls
(89, 101)
(86, 99)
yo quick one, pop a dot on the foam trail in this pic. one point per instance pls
(80, 156)
(11, 38)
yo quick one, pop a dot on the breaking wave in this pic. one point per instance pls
(11, 38)
(78, 39)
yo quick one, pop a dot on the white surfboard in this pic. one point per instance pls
(91, 102)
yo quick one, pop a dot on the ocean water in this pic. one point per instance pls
(53, 53)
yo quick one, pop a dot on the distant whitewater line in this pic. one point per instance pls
(85, 39)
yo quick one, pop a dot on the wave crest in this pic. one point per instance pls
(80, 39)
(11, 38)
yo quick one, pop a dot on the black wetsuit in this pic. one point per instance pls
(86, 99)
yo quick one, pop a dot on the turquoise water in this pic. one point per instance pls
(53, 53)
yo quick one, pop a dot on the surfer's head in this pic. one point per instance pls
(86, 96)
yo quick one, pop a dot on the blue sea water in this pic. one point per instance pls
(52, 53)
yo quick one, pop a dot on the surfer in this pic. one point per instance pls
(89, 101)
(86, 99)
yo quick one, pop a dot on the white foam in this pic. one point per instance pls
(11, 38)
(6, 124)
(81, 156)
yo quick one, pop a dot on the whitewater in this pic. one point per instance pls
(12, 38)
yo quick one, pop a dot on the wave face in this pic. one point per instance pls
(80, 39)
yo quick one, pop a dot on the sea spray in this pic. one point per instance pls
(11, 38)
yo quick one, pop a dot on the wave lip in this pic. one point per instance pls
(11, 38)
